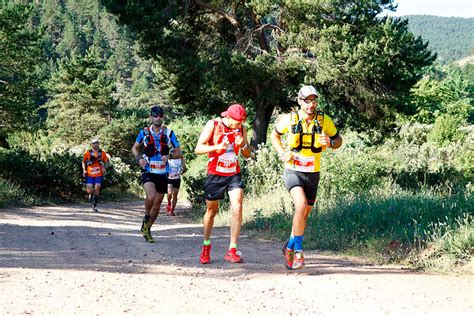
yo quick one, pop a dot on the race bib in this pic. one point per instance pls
(304, 164)
(227, 163)
(157, 167)
(94, 171)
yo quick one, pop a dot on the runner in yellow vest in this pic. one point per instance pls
(310, 132)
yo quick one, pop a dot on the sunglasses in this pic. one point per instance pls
(157, 115)
(310, 100)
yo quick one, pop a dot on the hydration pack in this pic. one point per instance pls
(93, 158)
(296, 132)
(150, 145)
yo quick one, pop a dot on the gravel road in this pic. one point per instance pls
(67, 260)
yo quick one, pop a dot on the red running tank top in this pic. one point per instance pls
(223, 163)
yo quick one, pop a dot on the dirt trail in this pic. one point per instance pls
(66, 260)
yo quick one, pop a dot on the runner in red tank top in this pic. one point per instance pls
(222, 139)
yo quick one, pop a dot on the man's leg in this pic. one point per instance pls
(155, 209)
(96, 195)
(169, 197)
(302, 210)
(211, 211)
(236, 197)
(174, 198)
(150, 193)
(90, 191)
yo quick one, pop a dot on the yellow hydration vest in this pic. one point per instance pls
(303, 139)
(298, 139)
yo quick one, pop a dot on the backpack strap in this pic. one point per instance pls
(168, 134)
(149, 142)
(296, 129)
(92, 157)
(317, 129)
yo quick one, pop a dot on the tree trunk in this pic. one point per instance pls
(263, 114)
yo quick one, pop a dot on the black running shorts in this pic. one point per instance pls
(307, 180)
(160, 181)
(216, 186)
(176, 183)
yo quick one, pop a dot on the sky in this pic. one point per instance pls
(448, 8)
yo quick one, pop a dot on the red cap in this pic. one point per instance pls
(235, 111)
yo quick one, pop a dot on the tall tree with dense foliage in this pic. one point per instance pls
(20, 54)
(259, 52)
(81, 98)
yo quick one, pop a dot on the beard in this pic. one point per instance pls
(158, 123)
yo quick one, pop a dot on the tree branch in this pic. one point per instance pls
(227, 16)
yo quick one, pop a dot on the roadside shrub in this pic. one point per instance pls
(348, 173)
(446, 129)
(187, 131)
(264, 173)
(413, 162)
(59, 175)
(195, 189)
(121, 175)
(36, 143)
(13, 195)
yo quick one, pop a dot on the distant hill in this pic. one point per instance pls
(451, 38)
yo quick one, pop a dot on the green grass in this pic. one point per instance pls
(386, 228)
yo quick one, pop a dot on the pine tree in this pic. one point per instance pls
(20, 54)
(81, 98)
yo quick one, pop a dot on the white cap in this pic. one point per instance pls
(306, 91)
(94, 140)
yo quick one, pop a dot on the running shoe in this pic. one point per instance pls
(298, 262)
(289, 258)
(144, 229)
(95, 210)
(146, 232)
(149, 237)
(233, 255)
(205, 254)
(171, 212)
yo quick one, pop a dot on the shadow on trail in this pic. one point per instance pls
(72, 237)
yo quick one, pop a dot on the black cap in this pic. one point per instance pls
(157, 110)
